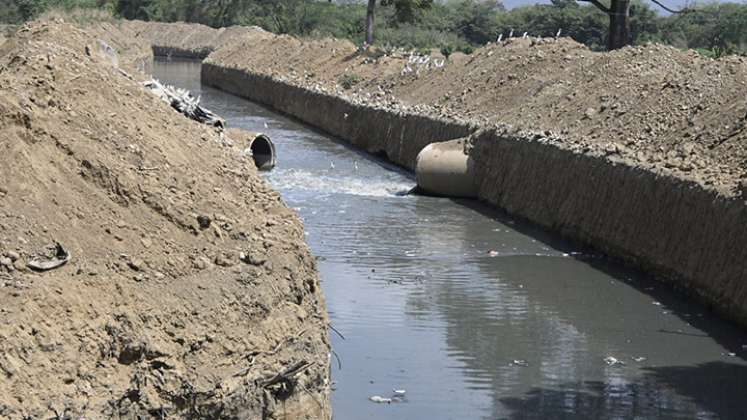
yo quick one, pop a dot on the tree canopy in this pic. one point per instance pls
(715, 29)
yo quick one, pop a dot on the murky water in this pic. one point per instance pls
(536, 329)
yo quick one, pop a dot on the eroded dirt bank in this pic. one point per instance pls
(639, 152)
(190, 291)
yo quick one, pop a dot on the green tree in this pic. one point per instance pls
(717, 29)
(619, 14)
(404, 12)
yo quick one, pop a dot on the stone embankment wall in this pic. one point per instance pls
(398, 137)
(685, 234)
(688, 235)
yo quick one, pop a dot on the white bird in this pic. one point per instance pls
(511, 34)
(558, 34)
(331, 165)
(266, 126)
(500, 37)
(525, 35)
(355, 165)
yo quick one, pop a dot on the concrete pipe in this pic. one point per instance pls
(263, 152)
(442, 169)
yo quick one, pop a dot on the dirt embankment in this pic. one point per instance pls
(653, 106)
(190, 291)
(187, 40)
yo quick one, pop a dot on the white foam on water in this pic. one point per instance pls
(294, 179)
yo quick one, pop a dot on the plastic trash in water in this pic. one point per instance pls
(612, 361)
(398, 396)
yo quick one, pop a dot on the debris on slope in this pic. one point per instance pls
(183, 101)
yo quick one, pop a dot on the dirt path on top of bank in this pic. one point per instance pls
(666, 110)
(190, 290)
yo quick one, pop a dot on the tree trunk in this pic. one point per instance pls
(370, 22)
(619, 34)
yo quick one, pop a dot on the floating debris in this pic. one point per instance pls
(639, 359)
(519, 362)
(612, 361)
(399, 391)
(380, 400)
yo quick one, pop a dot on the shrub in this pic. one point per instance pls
(348, 80)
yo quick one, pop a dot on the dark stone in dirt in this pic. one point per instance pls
(136, 264)
(224, 261)
(255, 258)
(203, 221)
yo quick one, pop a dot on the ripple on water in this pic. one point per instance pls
(333, 183)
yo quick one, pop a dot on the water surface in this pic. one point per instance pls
(537, 328)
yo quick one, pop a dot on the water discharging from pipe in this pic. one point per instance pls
(476, 315)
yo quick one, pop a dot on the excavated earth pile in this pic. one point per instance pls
(186, 40)
(189, 291)
(652, 106)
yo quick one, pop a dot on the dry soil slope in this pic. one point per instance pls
(155, 314)
(188, 40)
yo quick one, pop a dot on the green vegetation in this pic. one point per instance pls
(450, 25)
(348, 80)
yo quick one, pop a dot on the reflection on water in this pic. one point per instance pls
(520, 332)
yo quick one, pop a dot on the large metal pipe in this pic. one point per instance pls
(443, 169)
(257, 145)
(263, 152)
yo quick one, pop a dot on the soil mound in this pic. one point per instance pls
(189, 291)
(188, 39)
(655, 106)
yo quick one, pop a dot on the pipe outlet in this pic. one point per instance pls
(442, 169)
(263, 152)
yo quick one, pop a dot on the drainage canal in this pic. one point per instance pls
(477, 316)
